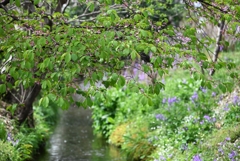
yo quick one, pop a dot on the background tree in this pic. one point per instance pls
(43, 50)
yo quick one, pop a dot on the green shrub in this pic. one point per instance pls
(8, 152)
(104, 110)
(3, 132)
(116, 106)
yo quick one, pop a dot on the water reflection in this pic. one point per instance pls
(73, 140)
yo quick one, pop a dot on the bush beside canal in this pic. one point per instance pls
(186, 121)
(22, 143)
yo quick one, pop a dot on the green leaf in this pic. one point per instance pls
(74, 57)
(94, 76)
(137, 17)
(60, 102)
(234, 75)
(135, 89)
(2, 88)
(67, 57)
(126, 51)
(113, 16)
(114, 76)
(134, 54)
(107, 23)
(42, 41)
(153, 49)
(91, 6)
(12, 108)
(121, 81)
(52, 96)
(44, 101)
(89, 101)
(144, 100)
(229, 86)
(36, 2)
(222, 88)
(144, 33)
(111, 120)
(18, 3)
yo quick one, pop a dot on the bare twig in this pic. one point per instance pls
(14, 96)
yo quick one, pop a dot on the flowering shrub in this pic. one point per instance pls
(179, 124)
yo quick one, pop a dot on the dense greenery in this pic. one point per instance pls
(46, 48)
(185, 121)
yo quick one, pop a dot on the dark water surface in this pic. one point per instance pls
(73, 140)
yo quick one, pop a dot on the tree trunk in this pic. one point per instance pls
(25, 111)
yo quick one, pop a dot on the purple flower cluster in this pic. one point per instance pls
(236, 100)
(160, 117)
(170, 100)
(194, 97)
(197, 158)
(209, 119)
(11, 140)
(204, 90)
(232, 155)
(214, 94)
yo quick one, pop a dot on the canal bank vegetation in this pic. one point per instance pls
(20, 143)
(185, 121)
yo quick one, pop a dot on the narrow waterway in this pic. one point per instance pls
(73, 140)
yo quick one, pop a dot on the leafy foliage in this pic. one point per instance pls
(51, 56)
(7, 152)
(3, 133)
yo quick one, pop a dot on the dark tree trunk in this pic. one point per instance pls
(25, 111)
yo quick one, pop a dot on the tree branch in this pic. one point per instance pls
(219, 46)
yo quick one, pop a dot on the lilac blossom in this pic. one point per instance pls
(221, 97)
(164, 100)
(162, 158)
(214, 94)
(228, 139)
(236, 100)
(197, 158)
(135, 71)
(172, 100)
(160, 117)
(221, 151)
(204, 90)
(232, 155)
(213, 119)
(208, 118)
(141, 76)
(194, 97)
(184, 147)
(226, 108)
(221, 47)
(11, 140)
